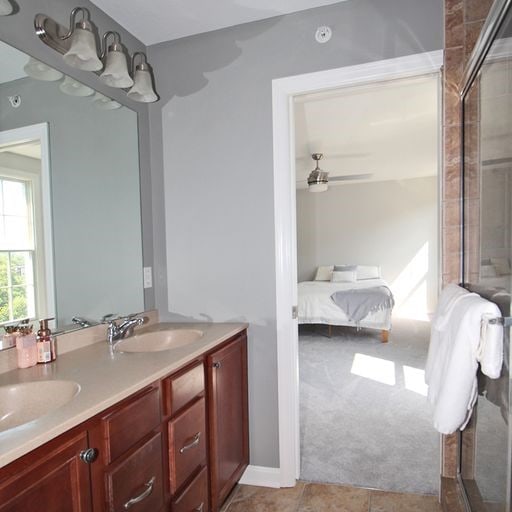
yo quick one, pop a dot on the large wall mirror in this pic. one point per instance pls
(70, 217)
(486, 454)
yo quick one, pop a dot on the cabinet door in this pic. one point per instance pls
(52, 478)
(229, 442)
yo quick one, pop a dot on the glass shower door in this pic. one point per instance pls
(485, 462)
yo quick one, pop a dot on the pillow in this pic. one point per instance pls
(323, 273)
(367, 272)
(343, 276)
(338, 268)
(502, 266)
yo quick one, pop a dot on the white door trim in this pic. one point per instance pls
(283, 91)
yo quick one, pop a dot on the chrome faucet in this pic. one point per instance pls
(116, 332)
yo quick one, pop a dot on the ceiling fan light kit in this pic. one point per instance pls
(317, 179)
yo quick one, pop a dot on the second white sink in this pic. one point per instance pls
(28, 401)
(155, 341)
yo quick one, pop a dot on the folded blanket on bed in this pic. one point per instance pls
(357, 303)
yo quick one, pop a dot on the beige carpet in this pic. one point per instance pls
(365, 420)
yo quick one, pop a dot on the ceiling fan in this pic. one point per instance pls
(318, 179)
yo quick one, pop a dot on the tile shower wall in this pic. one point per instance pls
(463, 22)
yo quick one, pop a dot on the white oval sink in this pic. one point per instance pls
(155, 341)
(22, 403)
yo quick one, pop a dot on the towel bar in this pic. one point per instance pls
(500, 320)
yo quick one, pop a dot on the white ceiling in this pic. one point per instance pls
(163, 20)
(31, 149)
(389, 129)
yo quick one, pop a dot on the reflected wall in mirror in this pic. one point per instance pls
(486, 450)
(70, 222)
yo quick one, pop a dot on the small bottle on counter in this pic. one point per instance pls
(45, 343)
(9, 337)
(26, 347)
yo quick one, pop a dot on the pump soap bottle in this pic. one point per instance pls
(45, 343)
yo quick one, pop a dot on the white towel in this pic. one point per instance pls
(448, 299)
(457, 345)
(490, 350)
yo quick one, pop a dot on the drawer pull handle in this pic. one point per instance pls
(217, 365)
(194, 442)
(200, 508)
(143, 495)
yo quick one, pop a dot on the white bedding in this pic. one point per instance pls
(317, 307)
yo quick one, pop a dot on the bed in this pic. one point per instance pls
(315, 305)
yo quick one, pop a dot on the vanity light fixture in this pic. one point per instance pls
(103, 103)
(115, 73)
(142, 89)
(82, 52)
(6, 8)
(40, 71)
(78, 46)
(71, 87)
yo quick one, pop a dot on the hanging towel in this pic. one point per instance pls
(448, 299)
(490, 350)
(458, 344)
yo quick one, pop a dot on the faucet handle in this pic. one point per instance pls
(109, 318)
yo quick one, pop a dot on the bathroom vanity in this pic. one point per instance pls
(171, 433)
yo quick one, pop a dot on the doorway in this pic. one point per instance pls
(284, 90)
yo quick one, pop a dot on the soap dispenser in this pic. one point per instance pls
(45, 343)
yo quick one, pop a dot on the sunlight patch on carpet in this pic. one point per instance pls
(415, 380)
(374, 368)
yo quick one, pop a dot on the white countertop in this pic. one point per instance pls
(105, 378)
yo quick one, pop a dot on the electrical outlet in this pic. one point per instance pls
(148, 277)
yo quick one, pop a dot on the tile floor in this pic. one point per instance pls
(310, 497)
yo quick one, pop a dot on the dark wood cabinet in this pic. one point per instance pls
(178, 445)
(129, 472)
(52, 478)
(228, 417)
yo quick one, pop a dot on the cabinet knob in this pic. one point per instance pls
(217, 365)
(88, 456)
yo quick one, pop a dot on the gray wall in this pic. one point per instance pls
(18, 31)
(211, 146)
(393, 224)
(94, 198)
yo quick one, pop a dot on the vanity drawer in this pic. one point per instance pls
(131, 422)
(187, 444)
(136, 483)
(182, 388)
(195, 497)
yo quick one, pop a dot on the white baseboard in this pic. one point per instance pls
(261, 476)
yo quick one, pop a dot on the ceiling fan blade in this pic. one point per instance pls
(349, 177)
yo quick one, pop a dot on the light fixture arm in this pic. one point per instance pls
(143, 66)
(72, 20)
(115, 46)
(57, 36)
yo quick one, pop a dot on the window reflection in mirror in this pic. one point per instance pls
(70, 239)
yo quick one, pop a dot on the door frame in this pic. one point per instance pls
(283, 92)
